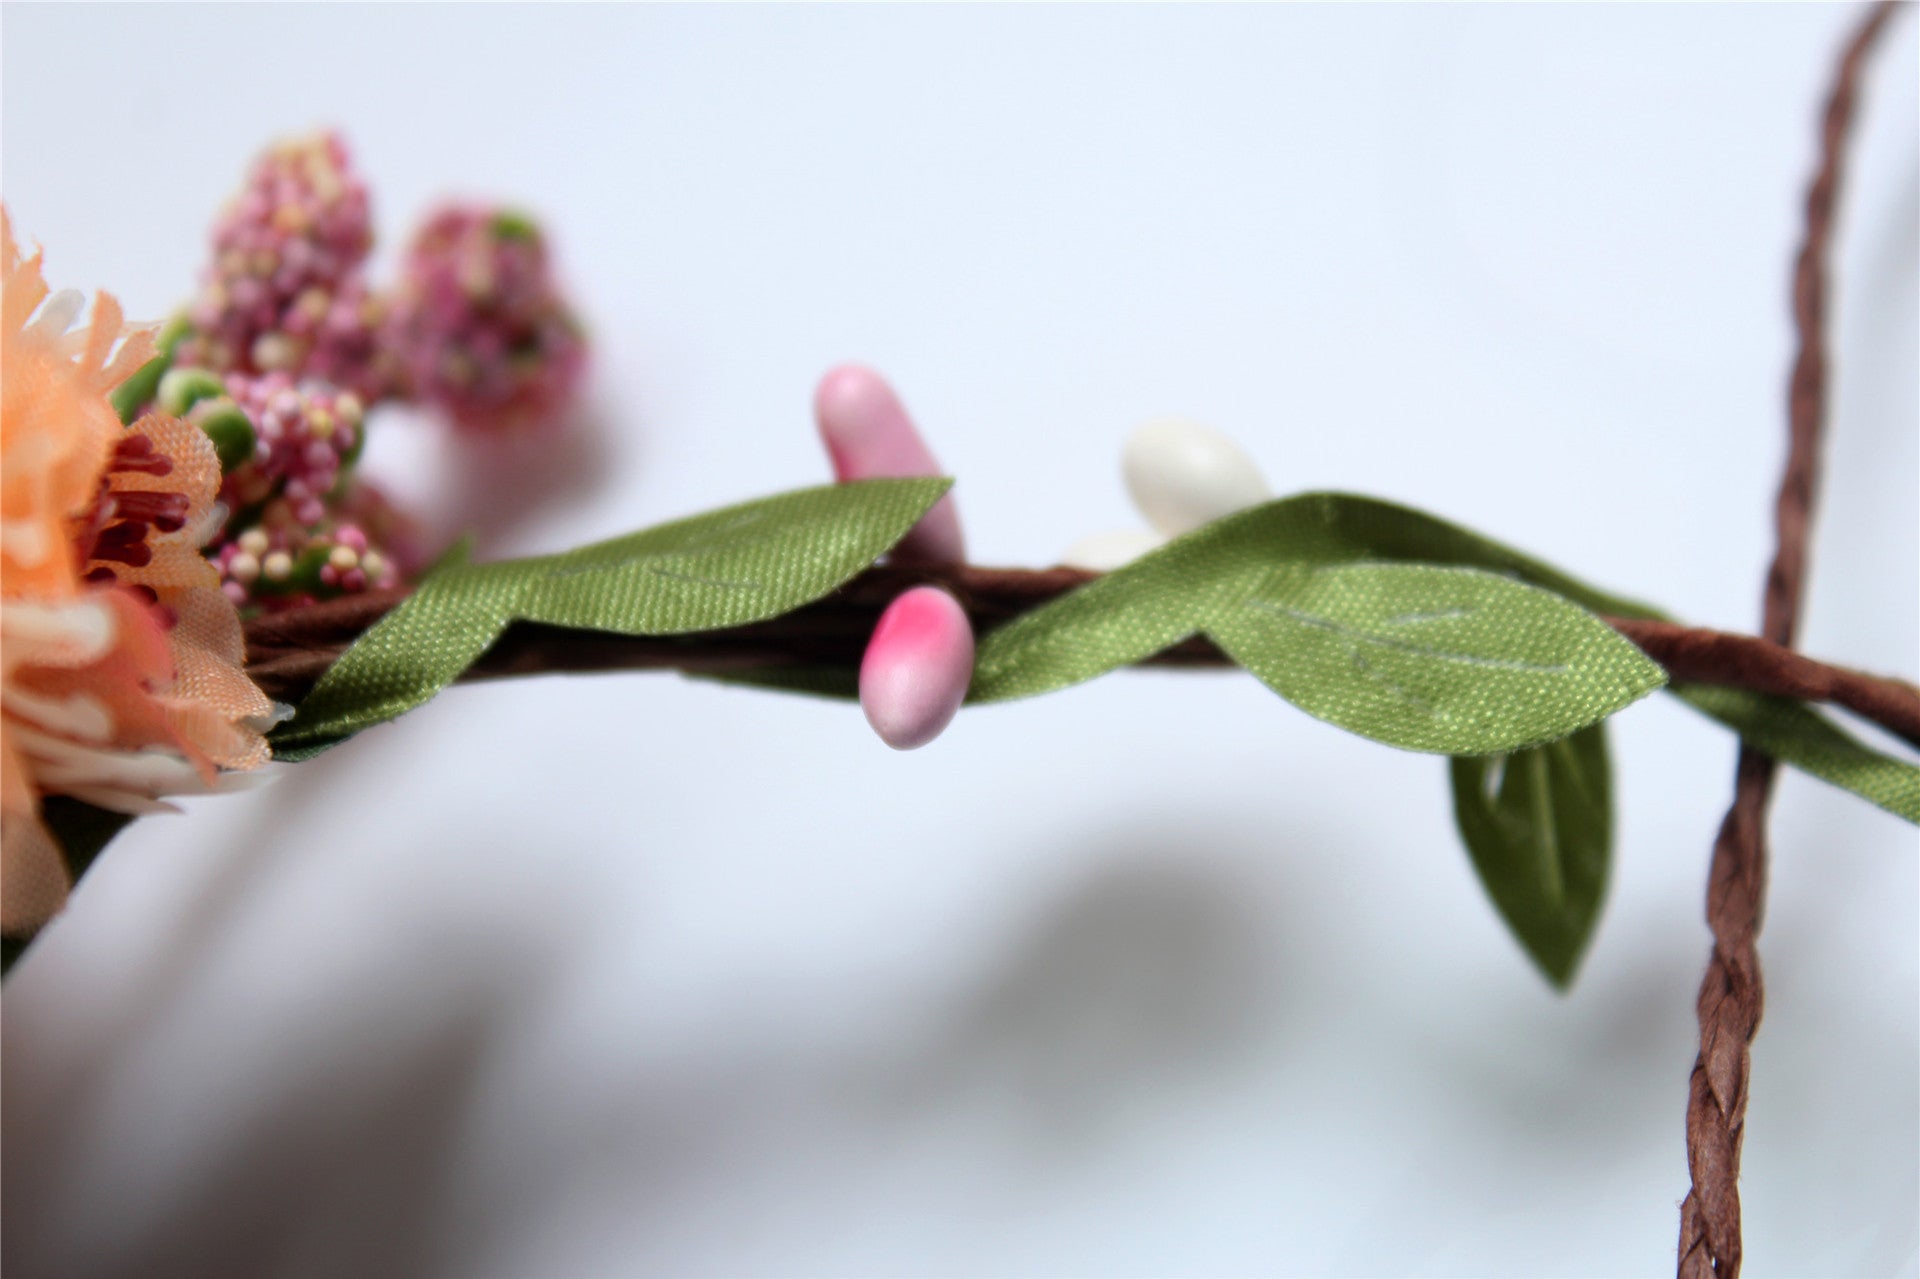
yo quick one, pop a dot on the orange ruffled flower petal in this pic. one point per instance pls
(121, 662)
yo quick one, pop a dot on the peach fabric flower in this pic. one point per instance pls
(120, 660)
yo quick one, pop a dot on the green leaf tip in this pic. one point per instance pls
(1797, 734)
(724, 568)
(1538, 826)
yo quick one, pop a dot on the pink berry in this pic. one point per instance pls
(869, 436)
(917, 667)
(478, 325)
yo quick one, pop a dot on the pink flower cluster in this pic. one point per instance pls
(305, 433)
(480, 328)
(303, 532)
(281, 563)
(283, 288)
(287, 347)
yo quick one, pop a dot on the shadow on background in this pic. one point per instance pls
(1161, 969)
(343, 1166)
(1157, 968)
(496, 487)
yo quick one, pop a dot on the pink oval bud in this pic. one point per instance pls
(869, 436)
(917, 667)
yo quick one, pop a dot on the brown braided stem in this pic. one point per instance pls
(1730, 993)
(288, 652)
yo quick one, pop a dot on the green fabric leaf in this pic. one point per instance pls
(1451, 660)
(722, 568)
(1538, 825)
(460, 552)
(1132, 613)
(1794, 733)
(287, 754)
(728, 567)
(1369, 528)
(1170, 593)
(413, 652)
(1478, 699)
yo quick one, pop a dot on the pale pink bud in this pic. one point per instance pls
(917, 667)
(869, 436)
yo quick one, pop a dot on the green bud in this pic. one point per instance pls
(510, 224)
(181, 389)
(141, 385)
(351, 457)
(306, 570)
(228, 426)
(302, 576)
(176, 328)
(137, 391)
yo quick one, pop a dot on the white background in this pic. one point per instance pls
(636, 976)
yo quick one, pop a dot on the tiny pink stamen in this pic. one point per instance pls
(917, 667)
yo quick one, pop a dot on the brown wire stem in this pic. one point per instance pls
(288, 652)
(1730, 1000)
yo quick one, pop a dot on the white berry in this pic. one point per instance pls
(1182, 475)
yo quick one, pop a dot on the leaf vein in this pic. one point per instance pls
(1361, 664)
(1403, 646)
